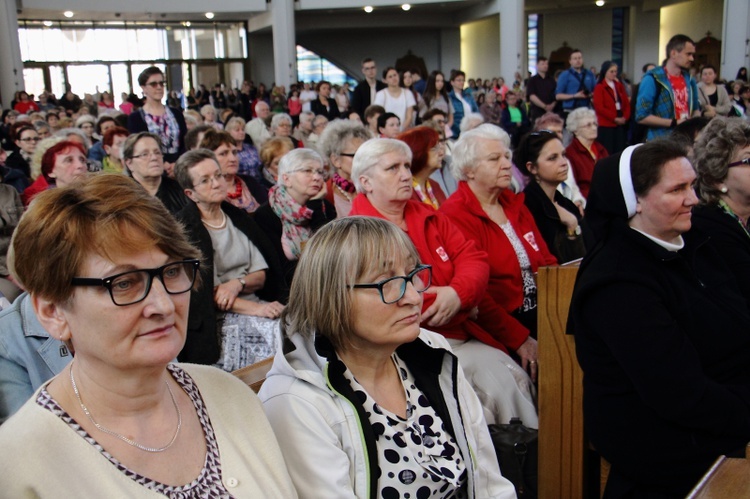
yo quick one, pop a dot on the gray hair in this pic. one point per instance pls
(306, 116)
(86, 118)
(295, 159)
(576, 116)
(74, 131)
(333, 139)
(280, 118)
(236, 121)
(188, 161)
(371, 152)
(714, 150)
(464, 154)
(208, 107)
(471, 121)
(318, 120)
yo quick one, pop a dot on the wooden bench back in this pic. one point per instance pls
(255, 374)
(562, 445)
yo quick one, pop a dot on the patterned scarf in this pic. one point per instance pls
(166, 128)
(295, 220)
(344, 184)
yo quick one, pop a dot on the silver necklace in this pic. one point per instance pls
(123, 437)
(221, 225)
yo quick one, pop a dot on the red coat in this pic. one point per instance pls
(583, 164)
(456, 262)
(39, 185)
(26, 107)
(604, 104)
(506, 285)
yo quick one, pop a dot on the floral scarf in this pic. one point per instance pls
(166, 128)
(295, 220)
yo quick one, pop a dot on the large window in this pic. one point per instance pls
(108, 56)
(312, 67)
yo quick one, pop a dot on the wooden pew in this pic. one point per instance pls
(728, 477)
(563, 447)
(255, 374)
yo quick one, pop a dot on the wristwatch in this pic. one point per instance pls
(574, 232)
(242, 281)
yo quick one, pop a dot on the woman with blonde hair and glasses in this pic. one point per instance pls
(364, 402)
(114, 285)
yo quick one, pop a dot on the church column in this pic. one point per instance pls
(512, 39)
(11, 67)
(284, 43)
(735, 37)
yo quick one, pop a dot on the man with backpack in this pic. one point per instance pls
(668, 95)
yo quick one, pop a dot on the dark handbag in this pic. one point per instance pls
(517, 452)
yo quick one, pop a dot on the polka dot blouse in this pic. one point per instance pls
(418, 458)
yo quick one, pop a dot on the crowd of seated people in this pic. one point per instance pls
(463, 198)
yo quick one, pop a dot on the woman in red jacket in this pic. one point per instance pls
(584, 150)
(612, 108)
(457, 304)
(487, 211)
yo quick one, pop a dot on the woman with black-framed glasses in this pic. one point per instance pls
(364, 402)
(113, 289)
(721, 158)
(167, 123)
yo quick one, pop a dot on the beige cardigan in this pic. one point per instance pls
(723, 104)
(42, 457)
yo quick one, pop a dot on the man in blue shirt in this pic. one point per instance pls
(575, 85)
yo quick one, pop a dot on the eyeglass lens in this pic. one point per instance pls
(132, 287)
(393, 289)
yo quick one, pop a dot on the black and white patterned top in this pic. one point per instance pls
(418, 458)
(529, 283)
(207, 485)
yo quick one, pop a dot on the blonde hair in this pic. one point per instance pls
(337, 256)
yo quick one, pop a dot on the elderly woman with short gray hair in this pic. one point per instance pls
(721, 157)
(296, 206)
(338, 144)
(584, 151)
(250, 163)
(281, 126)
(457, 305)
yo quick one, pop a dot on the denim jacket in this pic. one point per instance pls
(458, 110)
(29, 356)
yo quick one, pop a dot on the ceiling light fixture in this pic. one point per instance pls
(47, 23)
(188, 24)
(599, 3)
(368, 8)
(209, 15)
(406, 7)
(68, 13)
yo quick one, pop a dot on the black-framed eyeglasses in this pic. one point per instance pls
(155, 84)
(393, 289)
(745, 161)
(133, 286)
(347, 154)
